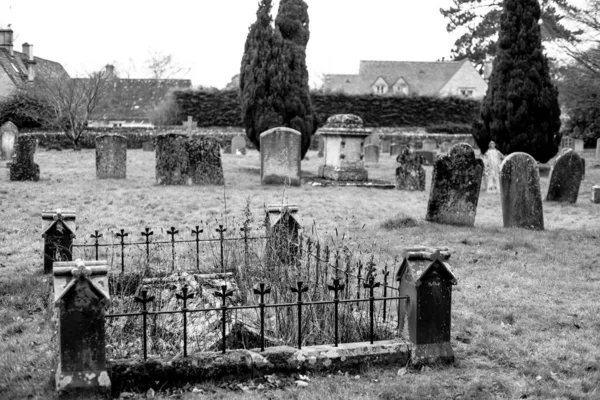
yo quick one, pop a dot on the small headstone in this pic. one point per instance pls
(410, 174)
(283, 233)
(492, 160)
(204, 155)
(520, 192)
(544, 170)
(190, 123)
(428, 156)
(429, 145)
(371, 154)
(565, 177)
(455, 187)
(596, 194)
(578, 145)
(8, 136)
(148, 146)
(280, 156)
(111, 156)
(227, 149)
(445, 147)
(373, 139)
(385, 146)
(22, 168)
(172, 160)
(395, 149)
(238, 143)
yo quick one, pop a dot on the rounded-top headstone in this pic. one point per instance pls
(520, 192)
(111, 156)
(280, 156)
(565, 177)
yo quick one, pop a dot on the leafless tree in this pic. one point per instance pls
(162, 66)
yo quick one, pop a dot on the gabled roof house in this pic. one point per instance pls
(403, 78)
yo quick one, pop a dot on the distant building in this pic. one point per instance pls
(129, 102)
(20, 69)
(403, 78)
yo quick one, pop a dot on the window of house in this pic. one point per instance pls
(466, 92)
(401, 89)
(380, 89)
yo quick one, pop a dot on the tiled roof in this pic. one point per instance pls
(133, 99)
(16, 67)
(425, 78)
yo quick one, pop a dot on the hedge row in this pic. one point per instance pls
(222, 108)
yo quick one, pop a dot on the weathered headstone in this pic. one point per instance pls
(58, 232)
(520, 192)
(344, 148)
(148, 145)
(8, 136)
(578, 145)
(428, 156)
(455, 186)
(373, 139)
(283, 233)
(371, 154)
(280, 156)
(385, 146)
(429, 145)
(565, 177)
(395, 149)
(227, 149)
(81, 294)
(111, 156)
(238, 143)
(410, 174)
(492, 160)
(172, 160)
(445, 147)
(596, 194)
(23, 168)
(204, 155)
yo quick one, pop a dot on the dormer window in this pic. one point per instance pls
(380, 86)
(466, 92)
(401, 87)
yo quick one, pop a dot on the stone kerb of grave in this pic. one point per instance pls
(111, 156)
(23, 168)
(206, 167)
(492, 160)
(8, 135)
(280, 156)
(565, 177)
(455, 187)
(344, 137)
(520, 192)
(410, 174)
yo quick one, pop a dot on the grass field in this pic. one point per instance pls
(526, 310)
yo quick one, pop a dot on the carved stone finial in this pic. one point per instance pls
(81, 270)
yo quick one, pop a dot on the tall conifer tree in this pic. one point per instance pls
(520, 111)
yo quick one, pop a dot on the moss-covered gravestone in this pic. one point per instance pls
(410, 174)
(565, 177)
(58, 232)
(204, 155)
(280, 157)
(111, 156)
(455, 187)
(172, 159)
(283, 233)
(8, 136)
(520, 192)
(23, 168)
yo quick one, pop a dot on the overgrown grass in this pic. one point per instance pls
(525, 317)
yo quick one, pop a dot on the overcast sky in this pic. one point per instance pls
(207, 36)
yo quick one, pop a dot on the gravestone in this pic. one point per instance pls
(81, 295)
(172, 160)
(578, 145)
(282, 230)
(395, 149)
(455, 187)
(598, 149)
(429, 145)
(492, 160)
(23, 168)
(8, 136)
(373, 139)
(565, 177)
(238, 143)
(111, 156)
(385, 146)
(371, 154)
(428, 156)
(227, 149)
(520, 192)
(204, 156)
(596, 194)
(280, 157)
(445, 147)
(148, 145)
(58, 232)
(410, 174)
(190, 124)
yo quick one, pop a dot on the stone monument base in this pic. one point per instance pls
(434, 353)
(337, 174)
(80, 382)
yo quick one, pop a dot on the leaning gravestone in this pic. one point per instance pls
(565, 177)
(280, 156)
(23, 168)
(172, 160)
(371, 154)
(520, 192)
(111, 156)
(8, 136)
(410, 174)
(455, 187)
(237, 144)
(492, 160)
(204, 156)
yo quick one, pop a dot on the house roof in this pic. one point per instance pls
(425, 78)
(16, 67)
(134, 99)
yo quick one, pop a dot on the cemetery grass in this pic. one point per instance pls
(525, 312)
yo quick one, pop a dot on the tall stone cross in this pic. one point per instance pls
(189, 124)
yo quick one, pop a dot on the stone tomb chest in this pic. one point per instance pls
(344, 148)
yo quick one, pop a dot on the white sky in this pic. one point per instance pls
(208, 36)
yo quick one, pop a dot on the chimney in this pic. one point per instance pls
(109, 71)
(28, 51)
(6, 40)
